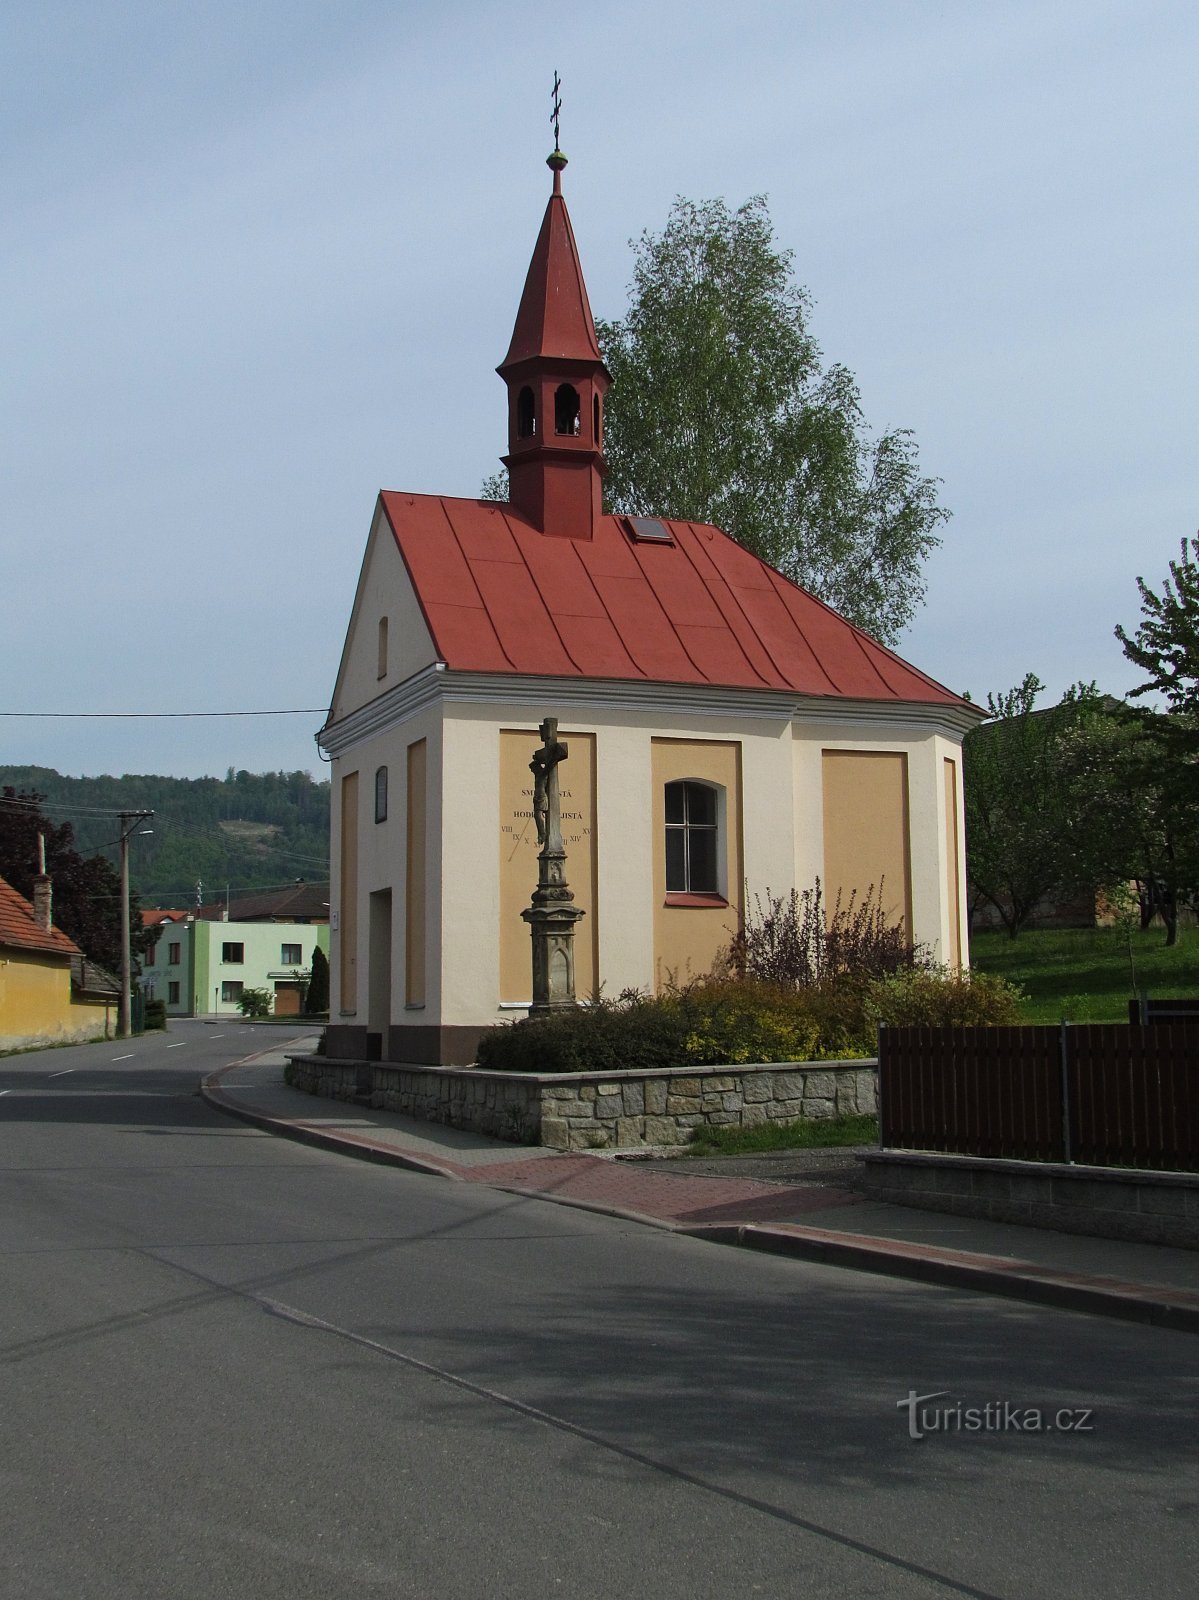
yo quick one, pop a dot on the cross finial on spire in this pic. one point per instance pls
(557, 160)
(556, 96)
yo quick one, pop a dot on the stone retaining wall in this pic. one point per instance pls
(1106, 1202)
(597, 1111)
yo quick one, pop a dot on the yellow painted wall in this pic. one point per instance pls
(35, 1001)
(688, 938)
(866, 830)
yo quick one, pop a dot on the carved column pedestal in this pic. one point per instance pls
(553, 914)
(553, 929)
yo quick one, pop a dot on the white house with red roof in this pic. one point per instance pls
(728, 733)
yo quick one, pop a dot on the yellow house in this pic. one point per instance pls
(37, 1005)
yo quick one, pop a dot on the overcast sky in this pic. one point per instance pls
(261, 258)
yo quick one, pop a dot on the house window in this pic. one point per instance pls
(172, 994)
(231, 991)
(151, 952)
(382, 673)
(691, 838)
(292, 955)
(233, 955)
(173, 954)
(380, 794)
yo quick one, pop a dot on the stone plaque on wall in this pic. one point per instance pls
(518, 856)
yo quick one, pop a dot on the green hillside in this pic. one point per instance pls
(244, 832)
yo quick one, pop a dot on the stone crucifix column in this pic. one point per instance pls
(553, 914)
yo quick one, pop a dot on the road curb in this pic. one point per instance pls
(346, 1144)
(1177, 1309)
(1156, 1306)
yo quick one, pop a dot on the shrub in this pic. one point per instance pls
(733, 1022)
(796, 942)
(933, 997)
(704, 1023)
(155, 1015)
(607, 1036)
(713, 1021)
(255, 1002)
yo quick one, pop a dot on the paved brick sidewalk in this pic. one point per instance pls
(630, 1189)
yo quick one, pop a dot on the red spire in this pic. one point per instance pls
(556, 385)
(554, 317)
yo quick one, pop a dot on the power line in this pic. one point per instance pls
(14, 804)
(302, 711)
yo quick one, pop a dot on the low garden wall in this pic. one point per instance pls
(597, 1111)
(1106, 1202)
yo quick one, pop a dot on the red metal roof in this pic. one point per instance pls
(152, 919)
(18, 930)
(554, 318)
(500, 596)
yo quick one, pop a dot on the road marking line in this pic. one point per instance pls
(123, 1058)
(63, 1073)
(177, 1046)
(5, 1091)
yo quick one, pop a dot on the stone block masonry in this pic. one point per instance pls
(1106, 1202)
(593, 1111)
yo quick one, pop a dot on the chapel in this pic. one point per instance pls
(729, 735)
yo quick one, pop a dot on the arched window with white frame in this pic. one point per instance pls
(693, 824)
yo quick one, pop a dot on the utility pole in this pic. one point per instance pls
(129, 822)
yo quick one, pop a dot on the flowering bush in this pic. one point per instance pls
(937, 997)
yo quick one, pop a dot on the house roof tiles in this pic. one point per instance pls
(19, 930)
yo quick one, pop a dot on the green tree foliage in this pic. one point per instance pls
(722, 410)
(1136, 807)
(1166, 643)
(1029, 801)
(86, 890)
(316, 998)
(245, 831)
(1157, 761)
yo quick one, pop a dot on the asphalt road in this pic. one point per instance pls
(236, 1366)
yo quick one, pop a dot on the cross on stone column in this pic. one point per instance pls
(553, 914)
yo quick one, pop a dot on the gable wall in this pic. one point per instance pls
(384, 590)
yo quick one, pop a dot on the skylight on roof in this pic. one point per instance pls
(649, 530)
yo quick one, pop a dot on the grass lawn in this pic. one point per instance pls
(817, 1134)
(1085, 975)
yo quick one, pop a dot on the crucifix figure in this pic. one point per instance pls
(553, 913)
(547, 806)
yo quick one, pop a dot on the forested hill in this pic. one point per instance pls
(249, 830)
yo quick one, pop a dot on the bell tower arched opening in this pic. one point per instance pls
(567, 411)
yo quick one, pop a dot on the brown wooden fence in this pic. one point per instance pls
(1104, 1094)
